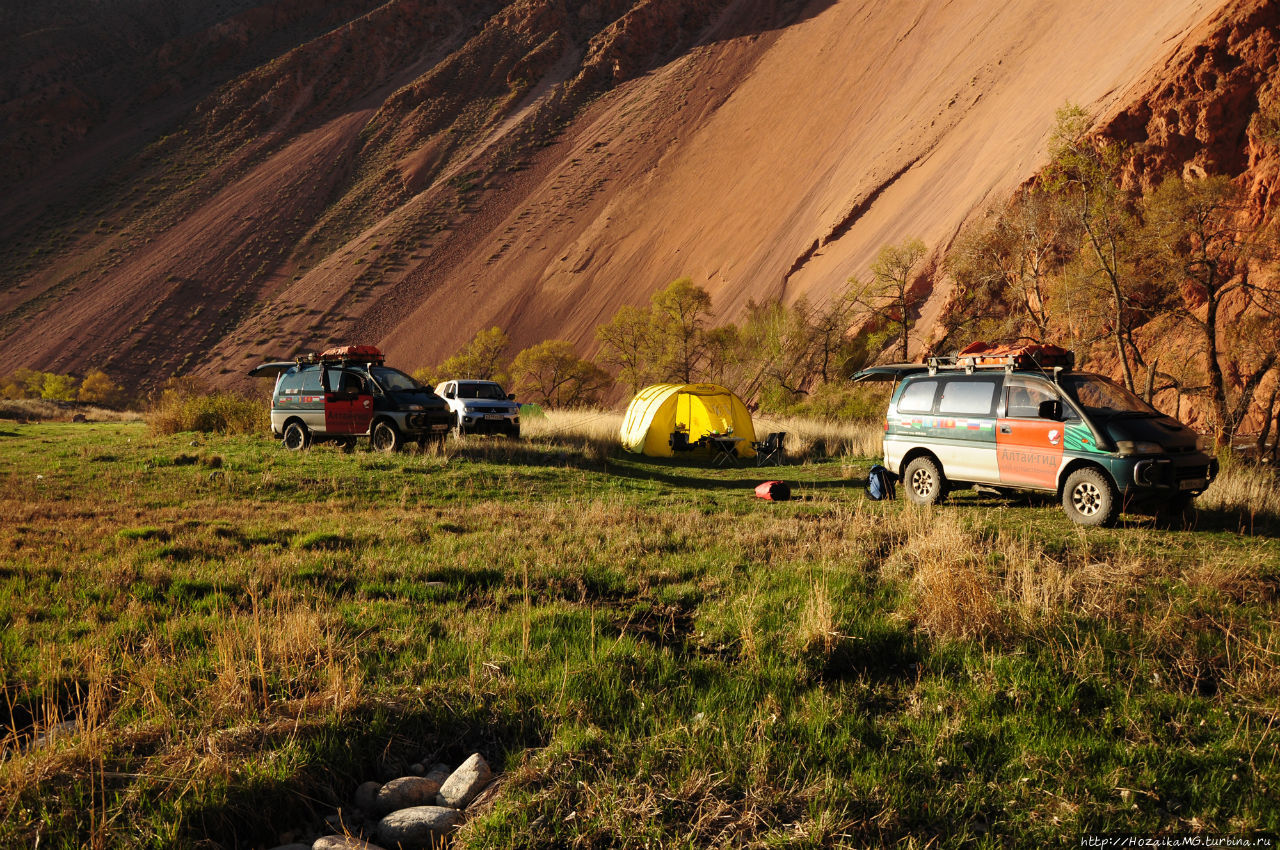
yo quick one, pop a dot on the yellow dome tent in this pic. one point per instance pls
(659, 411)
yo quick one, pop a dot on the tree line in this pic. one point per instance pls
(1171, 286)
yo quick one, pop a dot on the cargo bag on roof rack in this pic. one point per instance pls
(358, 353)
(1030, 356)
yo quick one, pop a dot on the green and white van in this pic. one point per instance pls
(1014, 424)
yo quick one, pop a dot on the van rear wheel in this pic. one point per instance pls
(1090, 499)
(925, 482)
(296, 436)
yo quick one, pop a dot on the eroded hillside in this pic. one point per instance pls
(197, 191)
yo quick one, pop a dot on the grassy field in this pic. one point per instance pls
(652, 656)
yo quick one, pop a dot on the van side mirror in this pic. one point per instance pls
(1050, 410)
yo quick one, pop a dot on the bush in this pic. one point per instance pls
(835, 401)
(188, 406)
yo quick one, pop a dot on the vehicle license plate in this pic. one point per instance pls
(494, 416)
(1192, 484)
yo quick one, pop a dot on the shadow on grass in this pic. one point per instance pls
(378, 743)
(704, 476)
(1261, 524)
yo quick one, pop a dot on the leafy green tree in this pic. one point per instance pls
(680, 315)
(58, 387)
(483, 358)
(628, 343)
(98, 388)
(889, 297)
(552, 374)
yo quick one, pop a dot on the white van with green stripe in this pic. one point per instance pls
(1015, 424)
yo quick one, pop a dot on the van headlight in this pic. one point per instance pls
(1138, 447)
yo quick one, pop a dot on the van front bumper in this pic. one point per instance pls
(1189, 474)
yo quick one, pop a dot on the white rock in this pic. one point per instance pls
(465, 782)
(418, 828)
(405, 792)
(342, 842)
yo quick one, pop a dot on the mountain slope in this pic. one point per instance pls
(411, 172)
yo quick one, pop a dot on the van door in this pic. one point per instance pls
(962, 431)
(1029, 447)
(348, 403)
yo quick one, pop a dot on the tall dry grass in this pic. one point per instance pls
(187, 407)
(44, 410)
(806, 438)
(1244, 489)
(823, 438)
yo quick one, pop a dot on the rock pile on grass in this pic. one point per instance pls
(415, 812)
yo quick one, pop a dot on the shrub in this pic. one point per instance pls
(98, 388)
(188, 406)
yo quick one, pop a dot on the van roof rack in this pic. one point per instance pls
(345, 354)
(981, 355)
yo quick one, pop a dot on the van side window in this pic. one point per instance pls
(1022, 399)
(917, 397)
(967, 397)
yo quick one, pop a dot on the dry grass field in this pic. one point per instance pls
(208, 642)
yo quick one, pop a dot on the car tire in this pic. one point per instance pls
(385, 437)
(924, 481)
(1090, 499)
(296, 437)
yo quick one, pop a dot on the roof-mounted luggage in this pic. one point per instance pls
(346, 354)
(981, 355)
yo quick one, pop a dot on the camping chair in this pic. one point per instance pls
(771, 450)
(679, 442)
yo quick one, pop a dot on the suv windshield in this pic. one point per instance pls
(480, 390)
(393, 380)
(1102, 397)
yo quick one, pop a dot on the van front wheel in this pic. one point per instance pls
(385, 437)
(1090, 499)
(925, 484)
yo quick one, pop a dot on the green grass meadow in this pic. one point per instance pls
(650, 655)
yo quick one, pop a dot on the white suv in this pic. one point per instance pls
(482, 407)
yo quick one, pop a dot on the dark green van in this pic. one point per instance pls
(1017, 425)
(348, 393)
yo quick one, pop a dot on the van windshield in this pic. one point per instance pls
(1102, 397)
(393, 380)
